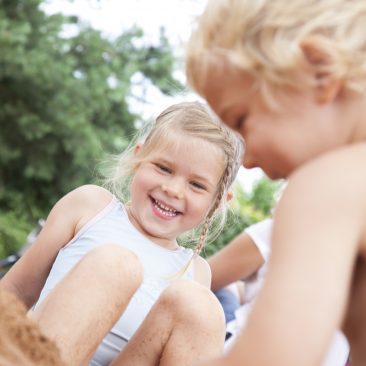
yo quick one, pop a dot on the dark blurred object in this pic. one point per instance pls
(11, 259)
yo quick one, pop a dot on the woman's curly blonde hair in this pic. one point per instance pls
(263, 38)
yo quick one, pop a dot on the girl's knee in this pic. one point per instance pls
(192, 302)
(189, 291)
(115, 264)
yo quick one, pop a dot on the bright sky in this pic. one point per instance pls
(113, 17)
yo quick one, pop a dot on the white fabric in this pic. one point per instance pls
(112, 225)
(260, 233)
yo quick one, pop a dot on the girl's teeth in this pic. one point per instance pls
(167, 211)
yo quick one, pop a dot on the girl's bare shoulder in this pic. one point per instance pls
(89, 199)
(91, 194)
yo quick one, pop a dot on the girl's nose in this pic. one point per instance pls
(173, 190)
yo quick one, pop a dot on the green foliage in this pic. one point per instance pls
(63, 97)
(246, 209)
(264, 193)
(64, 105)
(14, 226)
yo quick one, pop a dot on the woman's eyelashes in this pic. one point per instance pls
(239, 122)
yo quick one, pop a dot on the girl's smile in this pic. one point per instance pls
(163, 210)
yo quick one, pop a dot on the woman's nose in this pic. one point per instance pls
(248, 161)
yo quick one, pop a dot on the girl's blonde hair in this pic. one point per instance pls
(188, 119)
(263, 38)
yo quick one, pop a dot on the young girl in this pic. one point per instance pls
(99, 265)
(291, 78)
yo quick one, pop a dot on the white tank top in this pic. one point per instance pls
(112, 225)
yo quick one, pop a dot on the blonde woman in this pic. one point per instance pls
(290, 76)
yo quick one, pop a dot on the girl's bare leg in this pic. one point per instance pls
(82, 308)
(186, 325)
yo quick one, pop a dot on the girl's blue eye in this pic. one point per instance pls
(198, 185)
(163, 168)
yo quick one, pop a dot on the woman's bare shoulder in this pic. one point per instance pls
(328, 194)
(341, 170)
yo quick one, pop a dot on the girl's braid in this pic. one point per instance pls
(224, 184)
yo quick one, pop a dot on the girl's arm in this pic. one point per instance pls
(238, 260)
(27, 277)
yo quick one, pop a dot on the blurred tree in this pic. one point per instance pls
(246, 209)
(264, 194)
(63, 96)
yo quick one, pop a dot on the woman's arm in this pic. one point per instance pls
(317, 229)
(238, 260)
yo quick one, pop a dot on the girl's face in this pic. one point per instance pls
(174, 188)
(280, 140)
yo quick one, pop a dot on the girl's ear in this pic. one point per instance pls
(229, 196)
(137, 148)
(320, 55)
